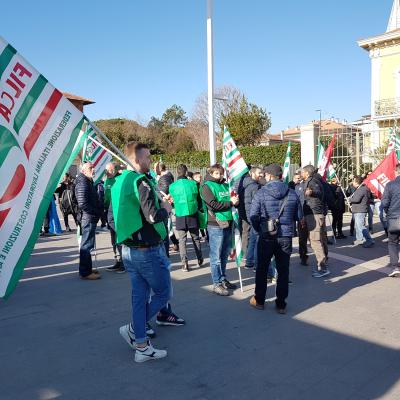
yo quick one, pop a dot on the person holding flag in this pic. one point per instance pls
(219, 203)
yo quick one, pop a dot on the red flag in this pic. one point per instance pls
(326, 159)
(383, 174)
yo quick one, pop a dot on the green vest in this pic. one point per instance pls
(126, 206)
(221, 194)
(108, 184)
(184, 193)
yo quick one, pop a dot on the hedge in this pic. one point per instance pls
(255, 155)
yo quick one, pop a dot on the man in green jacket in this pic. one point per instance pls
(187, 202)
(219, 202)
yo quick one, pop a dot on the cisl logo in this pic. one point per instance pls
(13, 171)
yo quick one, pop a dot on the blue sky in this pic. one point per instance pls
(136, 58)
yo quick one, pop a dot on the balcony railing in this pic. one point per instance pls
(387, 107)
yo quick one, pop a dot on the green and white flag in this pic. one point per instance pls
(330, 173)
(39, 129)
(97, 155)
(235, 167)
(286, 166)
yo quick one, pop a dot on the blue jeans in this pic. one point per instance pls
(149, 271)
(371, 209)
(220, 247)
(251, 256)
(362, 233)
(88, 231)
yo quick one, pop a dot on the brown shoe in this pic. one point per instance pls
(254, 303)
(91, 277)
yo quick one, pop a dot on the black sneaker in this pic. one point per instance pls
(249, 266)
(169, 320)
(117, 266)
(227, 285)
(200, 261)
(121, 270)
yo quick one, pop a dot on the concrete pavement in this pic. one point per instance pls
(339, 340)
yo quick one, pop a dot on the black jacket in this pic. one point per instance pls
(339, 199)
(212, 204)
(165, 182)
(360, 200)
(314, 204)
(391, 198)
(87, 199)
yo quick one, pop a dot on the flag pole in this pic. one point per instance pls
(112, 145)
(210, 78)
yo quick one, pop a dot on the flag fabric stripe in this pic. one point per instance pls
(42, 121)
(6, 57)
(231, 153)
(51, 187)
(99, 158)
(96, 152)
(29, 101)
(286, 166)
(325, 168)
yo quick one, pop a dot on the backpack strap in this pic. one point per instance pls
(284, 203)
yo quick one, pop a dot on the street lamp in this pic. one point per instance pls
(210, 75)
(320, 122)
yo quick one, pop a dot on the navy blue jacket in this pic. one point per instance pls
(250, 188)
(391, 198)
(87, 198)
(267, 203)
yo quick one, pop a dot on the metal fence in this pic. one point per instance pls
(358, 149)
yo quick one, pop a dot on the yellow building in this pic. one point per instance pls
(384, 52)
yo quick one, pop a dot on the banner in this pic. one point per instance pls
(94, 153)
(38, 132)
(382, 175)
(286, 166)
(235, 168)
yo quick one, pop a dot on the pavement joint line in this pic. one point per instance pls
(53, 275)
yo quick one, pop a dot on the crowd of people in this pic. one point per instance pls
(145, 209)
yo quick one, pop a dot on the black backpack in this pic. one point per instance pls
(68, 203)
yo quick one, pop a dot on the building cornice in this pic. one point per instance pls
(384, 40)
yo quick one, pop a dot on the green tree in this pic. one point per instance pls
(246, 122)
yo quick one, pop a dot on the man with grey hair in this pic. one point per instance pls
(88, 216)
(391, 206)
(314, 209)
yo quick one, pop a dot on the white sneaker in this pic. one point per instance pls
(128, 334)
(149, 353)
(394, 273)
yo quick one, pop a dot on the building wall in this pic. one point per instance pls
(389, 73)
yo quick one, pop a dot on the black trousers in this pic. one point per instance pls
(281, 248)
(337, 222)
(245, 228)
(65, 215)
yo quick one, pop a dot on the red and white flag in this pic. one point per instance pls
(325, 160)
(383, 174)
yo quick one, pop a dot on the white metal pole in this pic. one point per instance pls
(210, 72)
